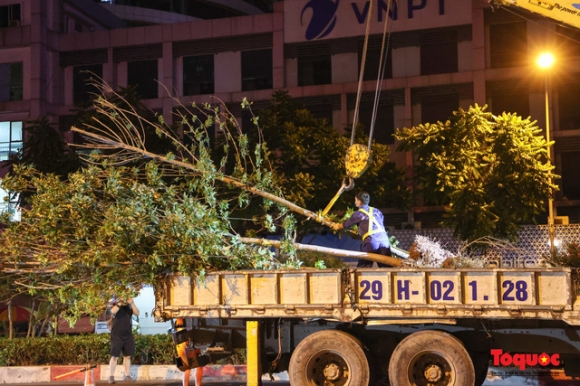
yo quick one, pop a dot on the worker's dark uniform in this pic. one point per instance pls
(122, 340)
(373, 233)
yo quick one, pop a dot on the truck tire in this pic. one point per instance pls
(330, 358)
(433, 358)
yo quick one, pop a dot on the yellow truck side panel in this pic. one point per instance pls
(540, 293)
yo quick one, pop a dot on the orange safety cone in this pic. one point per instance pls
(90, 377)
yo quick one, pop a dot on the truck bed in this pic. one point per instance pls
(376, 295)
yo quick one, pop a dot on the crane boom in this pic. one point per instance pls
(563, 11)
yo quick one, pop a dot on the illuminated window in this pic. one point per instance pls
(9, 203)
(10, 82)
(10, 139)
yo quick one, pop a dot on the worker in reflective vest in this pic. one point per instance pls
(370, 228)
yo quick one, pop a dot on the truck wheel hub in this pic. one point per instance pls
(332, 372)
(433, 373)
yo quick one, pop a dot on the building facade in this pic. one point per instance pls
(442, 54)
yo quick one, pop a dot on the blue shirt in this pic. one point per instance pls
(374, 241)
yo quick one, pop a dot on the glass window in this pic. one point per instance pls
(10, 15)
(511, 102)
(143, 74)
(314, 70)
(83, 91)
(384, 123)
(508, 44)
(257, 70)
(439, 57)
(568, 111)
(439, 108)
(248, 124)
(571, 175)
(372, 64)
(9, 203)
(10, 139)
(198, 75)
(10, 82)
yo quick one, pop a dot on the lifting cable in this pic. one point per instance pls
(381, 73)
(358, 157)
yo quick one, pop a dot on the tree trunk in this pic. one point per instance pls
(10, 324)
(392, 261)
(31, 321)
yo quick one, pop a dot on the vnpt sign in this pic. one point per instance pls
(321, 15)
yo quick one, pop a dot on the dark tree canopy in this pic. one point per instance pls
(308, 155)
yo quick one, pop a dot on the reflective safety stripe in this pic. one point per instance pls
(372, 221)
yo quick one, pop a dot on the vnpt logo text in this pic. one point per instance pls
(324, 13)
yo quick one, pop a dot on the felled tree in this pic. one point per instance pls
(133, 214)
(491, 172)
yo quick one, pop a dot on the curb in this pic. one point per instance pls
(237, 373)
(46, 374)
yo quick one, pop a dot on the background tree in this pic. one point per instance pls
(46, 151)
(308, 156)
(491, 172)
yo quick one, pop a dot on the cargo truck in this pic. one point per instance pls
(358, 327)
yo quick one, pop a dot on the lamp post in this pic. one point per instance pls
(545, 62)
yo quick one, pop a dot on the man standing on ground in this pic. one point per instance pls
(370, 228)
(122, 340)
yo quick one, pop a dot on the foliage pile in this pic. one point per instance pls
(570, 257)
(427, 253)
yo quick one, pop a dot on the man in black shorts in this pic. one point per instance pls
(122, 340)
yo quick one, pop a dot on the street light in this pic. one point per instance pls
(545, 62)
